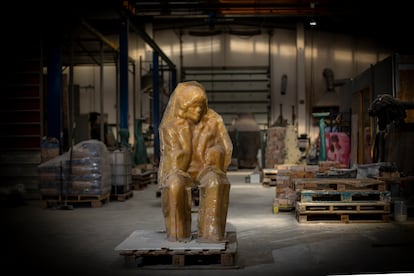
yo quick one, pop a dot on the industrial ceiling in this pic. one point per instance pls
(86, 24)
(385, 22)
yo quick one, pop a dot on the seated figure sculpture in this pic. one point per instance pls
(195, 151)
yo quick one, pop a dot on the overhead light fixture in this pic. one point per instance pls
(204, 32)
(312, 22)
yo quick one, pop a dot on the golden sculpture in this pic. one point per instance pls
(195, 152)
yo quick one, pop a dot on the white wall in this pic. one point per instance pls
(89, 80)
(347, 56)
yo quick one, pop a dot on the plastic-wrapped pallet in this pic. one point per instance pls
(88, 169)
(52, 175)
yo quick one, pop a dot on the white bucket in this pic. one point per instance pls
(121, 158)
(121, 168)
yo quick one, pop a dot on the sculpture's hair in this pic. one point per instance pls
(184, 95)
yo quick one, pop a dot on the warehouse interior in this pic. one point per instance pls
(85, 89)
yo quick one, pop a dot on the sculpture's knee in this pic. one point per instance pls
(175, 191)
(175, 184)
(212, 179)
(214, 201)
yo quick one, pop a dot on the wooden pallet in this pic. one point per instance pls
(344, 196)
(286, 208)
(343, 207)
(342, 218)
(269, 177)
(166, 258)
(137, 185)
(344, 212)
(120, 189)
(338, 184)
(122, 197)
(145, 176)
(140, 181)
(75, 200)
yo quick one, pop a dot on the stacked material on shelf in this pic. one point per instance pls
(285, 175)
(275, 146)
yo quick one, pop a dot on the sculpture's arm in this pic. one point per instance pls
(175, 141)
(218, 149)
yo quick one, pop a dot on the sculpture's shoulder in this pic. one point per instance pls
(213, 115)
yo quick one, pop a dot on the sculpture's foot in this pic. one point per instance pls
(211, 239)
(173, 239)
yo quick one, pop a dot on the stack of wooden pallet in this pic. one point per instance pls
(343, 200)
(285, 196)
(143, 177)
(269, 177)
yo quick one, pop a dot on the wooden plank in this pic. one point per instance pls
(178, 260)
(339, 184)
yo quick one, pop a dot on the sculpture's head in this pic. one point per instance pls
(388, 110)
(190, 101)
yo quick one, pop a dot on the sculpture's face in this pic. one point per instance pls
(191, 102)
(195, 111)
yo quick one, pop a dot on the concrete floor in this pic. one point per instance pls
(82, 241)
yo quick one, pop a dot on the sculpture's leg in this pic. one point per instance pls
(214, 202)
(176, 207)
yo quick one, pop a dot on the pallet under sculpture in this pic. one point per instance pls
(149, 248)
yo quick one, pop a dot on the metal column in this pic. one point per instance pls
(301, 100)
(173, 78)
(156, 106)
(54, 94)
(123, 83)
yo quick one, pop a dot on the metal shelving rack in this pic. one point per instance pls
(234, 90)
(21, 103)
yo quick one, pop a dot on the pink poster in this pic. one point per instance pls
(338, 147)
